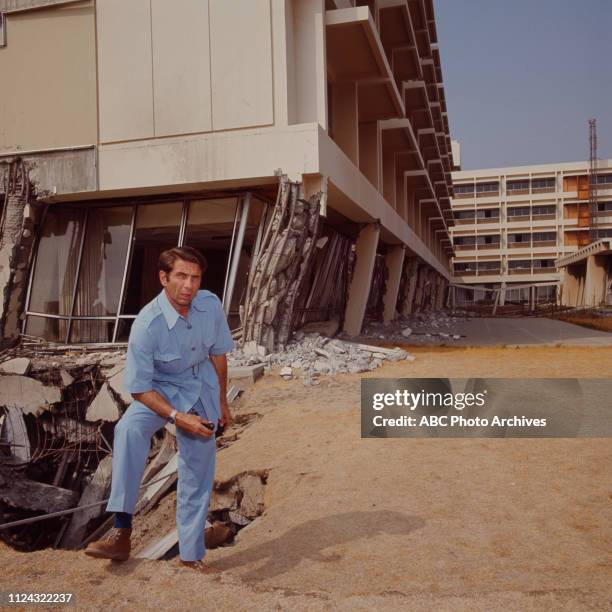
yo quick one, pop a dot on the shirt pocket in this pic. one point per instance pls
(168, 362)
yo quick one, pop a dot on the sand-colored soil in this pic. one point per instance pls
(410, 524)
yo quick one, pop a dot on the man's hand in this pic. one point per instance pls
(193, 424)
(226, 417)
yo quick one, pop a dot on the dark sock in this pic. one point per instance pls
(123, 520)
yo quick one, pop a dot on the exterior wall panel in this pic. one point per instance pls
(241, 63)
(181, 67)
(48, 73)
(125, 69)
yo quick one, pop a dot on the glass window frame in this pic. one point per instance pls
(243, 202)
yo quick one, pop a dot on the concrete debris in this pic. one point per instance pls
(28, 394)
(252, 348)
(14, 434)
(96, 490)
(426, 328)
(286, 373)
(19, 365)
(245, 370)
(104, 407)
(34, 496)
(325, 328)
(71, 430)
(66, 378)
(115, 382)
(307, 356)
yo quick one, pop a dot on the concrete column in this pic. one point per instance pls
(365, 251)
(595, 281)
(407, 304)
(442, 284)
(420, 288)
(394, 262)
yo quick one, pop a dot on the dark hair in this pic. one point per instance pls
(166, 260)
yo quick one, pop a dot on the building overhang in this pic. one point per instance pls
(601, 247)
(366, 64)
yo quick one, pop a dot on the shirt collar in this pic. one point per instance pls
(169, 312)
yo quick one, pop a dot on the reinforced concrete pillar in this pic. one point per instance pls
(420, 287)
(365, 253)
(407, 302)
(442, 284)
(595, 281)
(394, 262)
(569, 287)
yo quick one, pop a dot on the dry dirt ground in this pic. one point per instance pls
(385, 524)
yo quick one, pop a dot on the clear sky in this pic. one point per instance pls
(522, 78)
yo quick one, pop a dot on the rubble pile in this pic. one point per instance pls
(58, 409)
(419, 328)
(313, 355)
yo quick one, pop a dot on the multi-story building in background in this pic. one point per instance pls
(145, 124)
(512, 224)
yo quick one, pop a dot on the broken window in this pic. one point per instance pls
(113, 250)
(105, 249)
(55, 273)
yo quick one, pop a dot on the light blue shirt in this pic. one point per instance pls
(169, 353)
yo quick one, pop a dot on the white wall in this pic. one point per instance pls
(184, 67)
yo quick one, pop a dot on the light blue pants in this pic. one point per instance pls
(196, 472)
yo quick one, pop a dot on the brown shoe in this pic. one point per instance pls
(201, 567)
(114, 545)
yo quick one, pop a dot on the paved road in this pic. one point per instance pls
(526, 330)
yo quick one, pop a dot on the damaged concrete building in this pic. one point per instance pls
(302, 145)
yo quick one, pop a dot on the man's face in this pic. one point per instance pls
(182, 282)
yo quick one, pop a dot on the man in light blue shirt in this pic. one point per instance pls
(176, 371)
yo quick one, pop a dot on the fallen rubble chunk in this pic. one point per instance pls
(15, 435)
(35, 496)
(286, 373)
(96, 490)
(103, 407)
(27, 393)
(406, 332)
(66, 378)
(116, 383)
(19, 365)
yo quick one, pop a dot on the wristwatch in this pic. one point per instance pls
(171, 418)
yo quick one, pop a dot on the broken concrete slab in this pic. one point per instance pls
(95, 491)
(15, 435)
(286, 373)
(19, 365)
(34, 496)
(325, 328)
(252, 372)
(103, 407)
(252, 348)
(252, 502)
(116, 383)
(66, 378)
(27, 393)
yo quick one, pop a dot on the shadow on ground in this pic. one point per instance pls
(308, 540)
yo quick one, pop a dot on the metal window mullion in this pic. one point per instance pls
(237, 213)
(77, 276)
(183, 226)
(128, 257)
(32, 269)
(233, 269)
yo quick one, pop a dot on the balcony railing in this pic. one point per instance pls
(542, 243)
(519, 270)
(519, 245)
